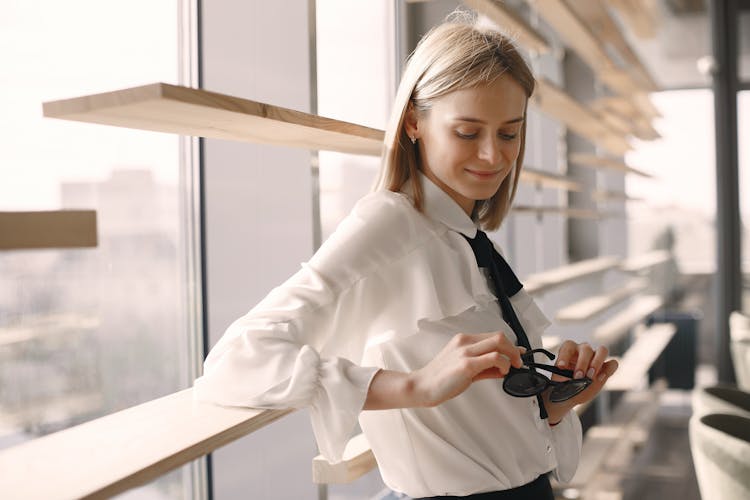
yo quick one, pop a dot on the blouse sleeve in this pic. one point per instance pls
(567, 436)
(299, 346)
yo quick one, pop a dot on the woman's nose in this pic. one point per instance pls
(490, 151)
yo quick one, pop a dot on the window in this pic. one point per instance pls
(87, 332)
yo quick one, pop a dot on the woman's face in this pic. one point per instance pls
(469, 140)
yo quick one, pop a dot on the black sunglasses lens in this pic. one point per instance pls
(567, 390)
(523, 384)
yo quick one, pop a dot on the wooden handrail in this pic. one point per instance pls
(48, 229)
(546, 280)
(511, 23)
(592, 306)
(123, 450)
(170, 108)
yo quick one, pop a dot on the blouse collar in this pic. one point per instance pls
(438, 205)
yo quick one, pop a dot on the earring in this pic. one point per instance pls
(413, 139)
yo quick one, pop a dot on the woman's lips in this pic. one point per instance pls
(484, 175)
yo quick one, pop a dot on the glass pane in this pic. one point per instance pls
(743, 117)
(743, 42)
(87, 332)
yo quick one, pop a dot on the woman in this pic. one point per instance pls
(393, 315)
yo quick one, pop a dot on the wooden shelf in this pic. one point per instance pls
(511, 24)
(112, 454)
(603, 195)
(592, 160)
(592, 306)
(587, 27)
(357, 461)
(645, 261)
(546, 179)
(613, 329)
(573, 213)
(639, 357)
(639, 15)
(546, 280)
(48, 229)
(180, 110)
(552, 100)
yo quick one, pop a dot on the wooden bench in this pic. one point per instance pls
(591, 306)
(621, 323)
(545, 280)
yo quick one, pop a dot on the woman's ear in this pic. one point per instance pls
(411, 123)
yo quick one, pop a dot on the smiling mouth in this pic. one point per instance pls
(484, 175)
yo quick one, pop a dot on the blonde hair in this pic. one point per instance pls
(452, 56)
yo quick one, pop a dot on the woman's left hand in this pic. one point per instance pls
(584, 361)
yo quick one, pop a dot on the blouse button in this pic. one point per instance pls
(549, 448)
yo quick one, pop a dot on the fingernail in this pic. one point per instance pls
(579, 374)
(590, 373)
(602, 377)
(561, 363)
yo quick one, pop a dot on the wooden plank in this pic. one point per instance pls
(591, 306)
(357, 461)
(48, 229)
(645, 261)
(180, 110)
(616, 327)
(574, 213)
(552, 100)
(604, 195)
(639, 357)
(546, 280)
(596, 161)
(112, 454)
(511, 24)
(639, 15)
(546, 179)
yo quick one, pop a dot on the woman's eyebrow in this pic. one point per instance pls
(478, 120)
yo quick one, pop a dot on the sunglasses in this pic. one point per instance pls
(523, 382)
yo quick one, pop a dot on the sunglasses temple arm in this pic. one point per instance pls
(552, 369)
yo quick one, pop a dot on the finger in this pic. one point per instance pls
(608, 369)
(497, 343)
(489, 361)
(567, 354)
(600, 356)
(585, 355)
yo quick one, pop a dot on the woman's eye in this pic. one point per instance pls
(464, 135)
(508, 137)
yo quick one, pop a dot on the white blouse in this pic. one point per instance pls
(388, 290)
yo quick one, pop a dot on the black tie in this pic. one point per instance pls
(502, 278)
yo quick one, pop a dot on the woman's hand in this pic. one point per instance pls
(465, 359)
(584, 361)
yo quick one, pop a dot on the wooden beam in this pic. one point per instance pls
(639, 357)
(596, 161)
(614, 328)
(554, 101)
(511, 24)
(357, 461)
(48, 229)
(604, 195)
(640, 15)
(180, 110)
(112, 454)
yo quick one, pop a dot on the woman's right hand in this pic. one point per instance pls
(465, 359)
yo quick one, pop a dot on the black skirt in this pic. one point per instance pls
(538, 489)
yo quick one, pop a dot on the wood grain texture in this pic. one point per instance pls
(112, 454)
(546, 280)
(48, 229)
(511, 24)
(195, 112)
